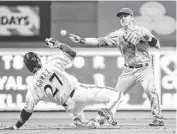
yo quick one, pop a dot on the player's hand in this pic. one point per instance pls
(10, 128)
(75, 38)
(52, 43)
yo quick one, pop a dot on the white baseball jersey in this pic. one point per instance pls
(52, 83)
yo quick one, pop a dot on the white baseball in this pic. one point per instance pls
(63, 32)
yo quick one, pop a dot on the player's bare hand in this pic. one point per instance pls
(75, 38)
(10, 128)
(52, 43)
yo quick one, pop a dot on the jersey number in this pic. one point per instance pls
(50, 87)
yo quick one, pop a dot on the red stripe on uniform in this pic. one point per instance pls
(113, 105)
(96, 86)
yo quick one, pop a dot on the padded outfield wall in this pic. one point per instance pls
(91, 67)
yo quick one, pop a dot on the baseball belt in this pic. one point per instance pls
(136, 66)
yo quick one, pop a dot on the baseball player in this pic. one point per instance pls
(54, 84)
(134, 42)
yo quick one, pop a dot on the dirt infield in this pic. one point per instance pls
(129, 122)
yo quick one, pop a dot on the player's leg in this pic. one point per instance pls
(92, 94)
(147, 79)
(89, 94)
(79, 118)
(80, 121)
(76, 110)
(108, 97)
(155, 108)
(75, 106)
(125, 82)
(111, 102)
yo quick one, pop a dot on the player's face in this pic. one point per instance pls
(126, 19)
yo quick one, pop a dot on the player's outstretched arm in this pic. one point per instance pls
(53, 43)
(24, 116)
(88, 41)
(30, 102)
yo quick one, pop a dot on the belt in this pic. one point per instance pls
(136, 66)
(71, 95)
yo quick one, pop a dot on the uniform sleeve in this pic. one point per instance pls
(111, 39)
(62, 60)
(31, 99)
(148, 33)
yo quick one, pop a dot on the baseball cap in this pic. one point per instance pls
(125, 10)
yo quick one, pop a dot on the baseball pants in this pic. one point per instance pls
(145, 76)
(89, 95)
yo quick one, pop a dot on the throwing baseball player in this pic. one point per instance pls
(54, 84)
(134, 42)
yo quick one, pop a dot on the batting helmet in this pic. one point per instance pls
(32, 62)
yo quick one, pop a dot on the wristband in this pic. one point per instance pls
(17, 125)
(58, 44)
(25, 115)
(82, 40)
(153, 42)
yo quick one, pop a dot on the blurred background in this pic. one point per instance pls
(24, 25)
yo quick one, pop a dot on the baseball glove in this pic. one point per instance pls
(52, 43)
(133, 37)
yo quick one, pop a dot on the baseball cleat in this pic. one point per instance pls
(108, 115)
(156, 122)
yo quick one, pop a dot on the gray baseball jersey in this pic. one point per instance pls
(133, 54)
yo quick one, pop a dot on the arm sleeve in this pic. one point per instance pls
(147, 34)
(68, 50)
(151, 39)
(111, 39)
(106, 41)
(30, 102)
(61, 60)
(31, 99)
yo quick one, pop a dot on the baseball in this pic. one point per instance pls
(63, 32)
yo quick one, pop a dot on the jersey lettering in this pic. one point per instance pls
(48, 86)
(41, 79)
